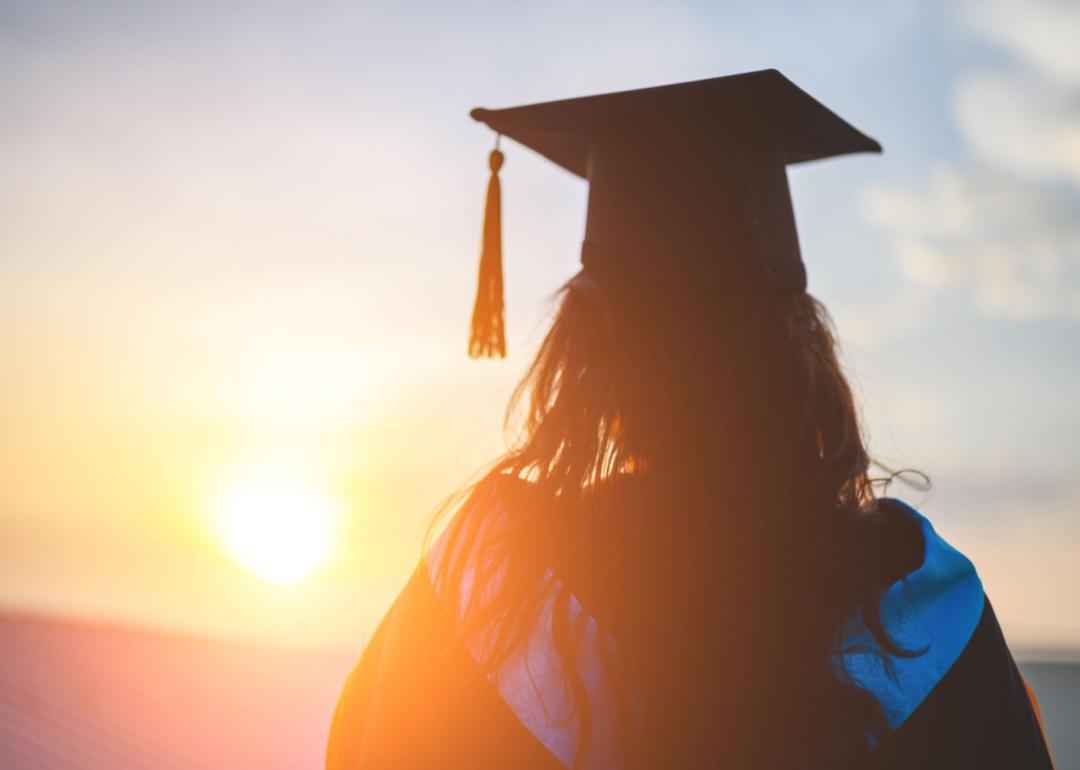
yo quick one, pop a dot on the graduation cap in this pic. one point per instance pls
(687, 183)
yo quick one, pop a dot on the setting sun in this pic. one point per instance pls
(279, 529)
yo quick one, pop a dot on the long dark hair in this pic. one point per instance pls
(730, 411)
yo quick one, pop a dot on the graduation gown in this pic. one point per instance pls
(418, 699)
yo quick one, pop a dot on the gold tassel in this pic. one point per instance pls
(488, 338)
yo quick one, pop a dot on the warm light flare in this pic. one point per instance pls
(279, 529)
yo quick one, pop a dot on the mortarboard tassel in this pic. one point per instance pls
(487, 337)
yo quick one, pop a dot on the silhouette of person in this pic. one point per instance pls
(684, 562)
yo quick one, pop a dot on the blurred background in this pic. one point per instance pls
(238, 251)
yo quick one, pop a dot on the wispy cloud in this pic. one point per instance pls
(1021, 122)
(1002, 227)
(1010, 246)
(1040, 33)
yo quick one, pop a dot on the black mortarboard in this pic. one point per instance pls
(687, 182)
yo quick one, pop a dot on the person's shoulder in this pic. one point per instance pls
(942, 591)
(485, 511)
(930, 611)
(953, 694)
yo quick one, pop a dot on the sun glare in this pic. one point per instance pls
(280, 530)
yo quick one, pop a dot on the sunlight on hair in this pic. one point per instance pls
(279, 529)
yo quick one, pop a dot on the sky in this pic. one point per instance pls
(238, 251)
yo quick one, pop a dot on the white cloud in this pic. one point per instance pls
(1024, 117)
(1003, 227)
(1021, 122)
(1041, 33)
(1013, 247)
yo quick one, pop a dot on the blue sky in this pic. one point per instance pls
(239, 230)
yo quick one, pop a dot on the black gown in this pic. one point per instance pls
(418, 699)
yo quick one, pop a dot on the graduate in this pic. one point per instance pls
(684, 561)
